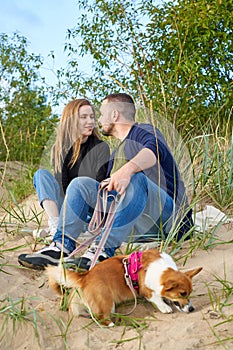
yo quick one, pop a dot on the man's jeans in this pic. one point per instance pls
(143, 198)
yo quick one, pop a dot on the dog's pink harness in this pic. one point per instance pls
(133, 266)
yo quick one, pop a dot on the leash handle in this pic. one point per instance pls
(98, 217)
(106, 227)
(101, 220)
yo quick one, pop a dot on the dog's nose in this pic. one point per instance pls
(191, 308)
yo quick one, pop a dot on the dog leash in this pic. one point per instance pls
(101, 221)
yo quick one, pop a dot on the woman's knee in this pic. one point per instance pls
(40, 175)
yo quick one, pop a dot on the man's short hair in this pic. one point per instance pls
(124, 103)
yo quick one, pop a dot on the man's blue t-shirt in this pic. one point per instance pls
(164, 173)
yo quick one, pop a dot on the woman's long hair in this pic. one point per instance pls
(68, 134)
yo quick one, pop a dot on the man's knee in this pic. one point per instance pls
(139, 179)
(81, 184)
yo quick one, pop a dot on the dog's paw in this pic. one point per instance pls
(161, 305)
(164, 308)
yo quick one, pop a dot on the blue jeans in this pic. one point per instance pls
(47, 187)
(143, 198)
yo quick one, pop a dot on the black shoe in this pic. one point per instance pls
(49, 255)
(84, 262)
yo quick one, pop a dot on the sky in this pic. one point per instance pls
(44, 23)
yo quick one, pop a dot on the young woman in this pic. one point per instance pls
(78, 151)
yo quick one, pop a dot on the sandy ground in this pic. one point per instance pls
(145, 328)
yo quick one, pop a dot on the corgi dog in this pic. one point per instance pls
(155, 276)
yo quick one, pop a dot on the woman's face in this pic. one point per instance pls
(86, 121)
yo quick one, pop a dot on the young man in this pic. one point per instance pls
(143, 169)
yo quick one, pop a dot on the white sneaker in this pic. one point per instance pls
(84, 261)
(47, 232)
(90, 253)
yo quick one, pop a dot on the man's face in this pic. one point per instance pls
(106, 118)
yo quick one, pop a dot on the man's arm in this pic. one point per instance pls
(121, 178)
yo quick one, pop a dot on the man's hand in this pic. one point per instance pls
(119, 181)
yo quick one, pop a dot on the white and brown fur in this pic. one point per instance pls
(104, 286)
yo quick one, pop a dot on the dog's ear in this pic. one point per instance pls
(170, 284)
(191, 273)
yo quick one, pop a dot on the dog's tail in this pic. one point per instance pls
(60, 277)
